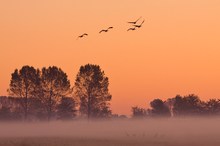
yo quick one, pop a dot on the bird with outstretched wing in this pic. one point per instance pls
(134, 22)
(83, 35)
(105, 30)
(131, 29)
(138, 26)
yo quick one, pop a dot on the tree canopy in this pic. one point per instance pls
(54, 85)
(91, 87)
(23, 84)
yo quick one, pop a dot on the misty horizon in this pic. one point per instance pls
(177, 131)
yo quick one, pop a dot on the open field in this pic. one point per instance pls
(151, 132)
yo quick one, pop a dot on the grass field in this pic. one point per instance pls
(157, 132)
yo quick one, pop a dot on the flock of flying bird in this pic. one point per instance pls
(134, 27)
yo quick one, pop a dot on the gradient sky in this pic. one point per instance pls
(177, 51)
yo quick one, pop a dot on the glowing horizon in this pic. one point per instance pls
(177, 51)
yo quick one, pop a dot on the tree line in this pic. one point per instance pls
(179, 106)
(46, 94)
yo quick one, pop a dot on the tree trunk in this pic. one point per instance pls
(89, 104)
(25, 106)
(50, 106)
(89, 107)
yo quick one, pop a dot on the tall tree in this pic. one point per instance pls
(54, 85)
(23, 84)
(91, 87)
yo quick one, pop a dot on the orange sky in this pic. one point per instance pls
(177, 51)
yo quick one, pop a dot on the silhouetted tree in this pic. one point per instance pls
(66, 109)
(138, 112)
(23, 84)
(213, 107)
(10, 108)
(5, 113)
(159, 108)
(170, 104)
(91, 87)
(54, 85)
(187, 105)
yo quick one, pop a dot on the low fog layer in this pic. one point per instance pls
(184, 130)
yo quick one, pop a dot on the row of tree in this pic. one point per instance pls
(190, 105)
(47, 94)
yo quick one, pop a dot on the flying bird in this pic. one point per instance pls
(134, 22)
(139, 26)
(131, 29)
(105, 30)
(81, 36)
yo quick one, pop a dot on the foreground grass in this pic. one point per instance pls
(58, 141)
(154, 132)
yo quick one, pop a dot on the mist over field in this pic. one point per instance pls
(164, 132)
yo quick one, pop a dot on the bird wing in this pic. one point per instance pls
(136, 25)
(101, 31)
(131, 29)
(132, 22)
(110, 27)
(138, 19)
(142, 22)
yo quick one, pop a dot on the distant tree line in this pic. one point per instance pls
(46, 94)
(179, 106)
